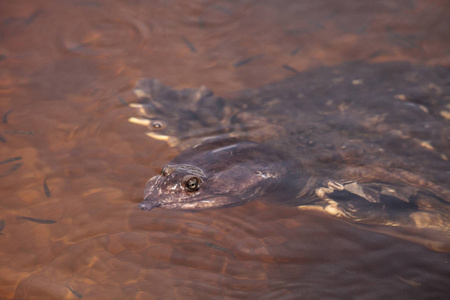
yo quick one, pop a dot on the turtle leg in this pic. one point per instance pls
(332, 206)
(358, 197)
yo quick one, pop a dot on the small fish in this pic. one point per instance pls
(31, 18)
(46, 189)
(214, 246)
(296, 50)
(13, 168)
(5, 116)
(122, 101)
(40, 221)
(19, 132)
(2, 225)
(246, 60)
(189, 44)
(10, 160)
(377, 53)
(291, 69)
(78, 295)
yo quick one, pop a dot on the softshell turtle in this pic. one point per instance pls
(365, 143)
(221, 173)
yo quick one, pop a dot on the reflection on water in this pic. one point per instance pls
(69, 222)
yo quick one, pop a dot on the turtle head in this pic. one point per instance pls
(176, 115)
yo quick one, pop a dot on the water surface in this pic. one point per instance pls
(66, 69)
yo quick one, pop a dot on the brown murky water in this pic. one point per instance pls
(66, 68)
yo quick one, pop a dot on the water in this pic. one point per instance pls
(67, 67)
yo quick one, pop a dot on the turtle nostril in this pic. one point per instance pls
(143, 206)
(147, 205)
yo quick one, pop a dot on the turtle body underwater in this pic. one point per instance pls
(367, 143)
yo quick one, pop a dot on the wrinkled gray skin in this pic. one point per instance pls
(369, 144)
(225, 175)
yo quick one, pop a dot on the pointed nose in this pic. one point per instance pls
(144, 206)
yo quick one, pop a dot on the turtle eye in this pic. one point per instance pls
(192, 184)
(157, 124)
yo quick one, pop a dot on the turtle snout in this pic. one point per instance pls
(142, 206)
(146, 206)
